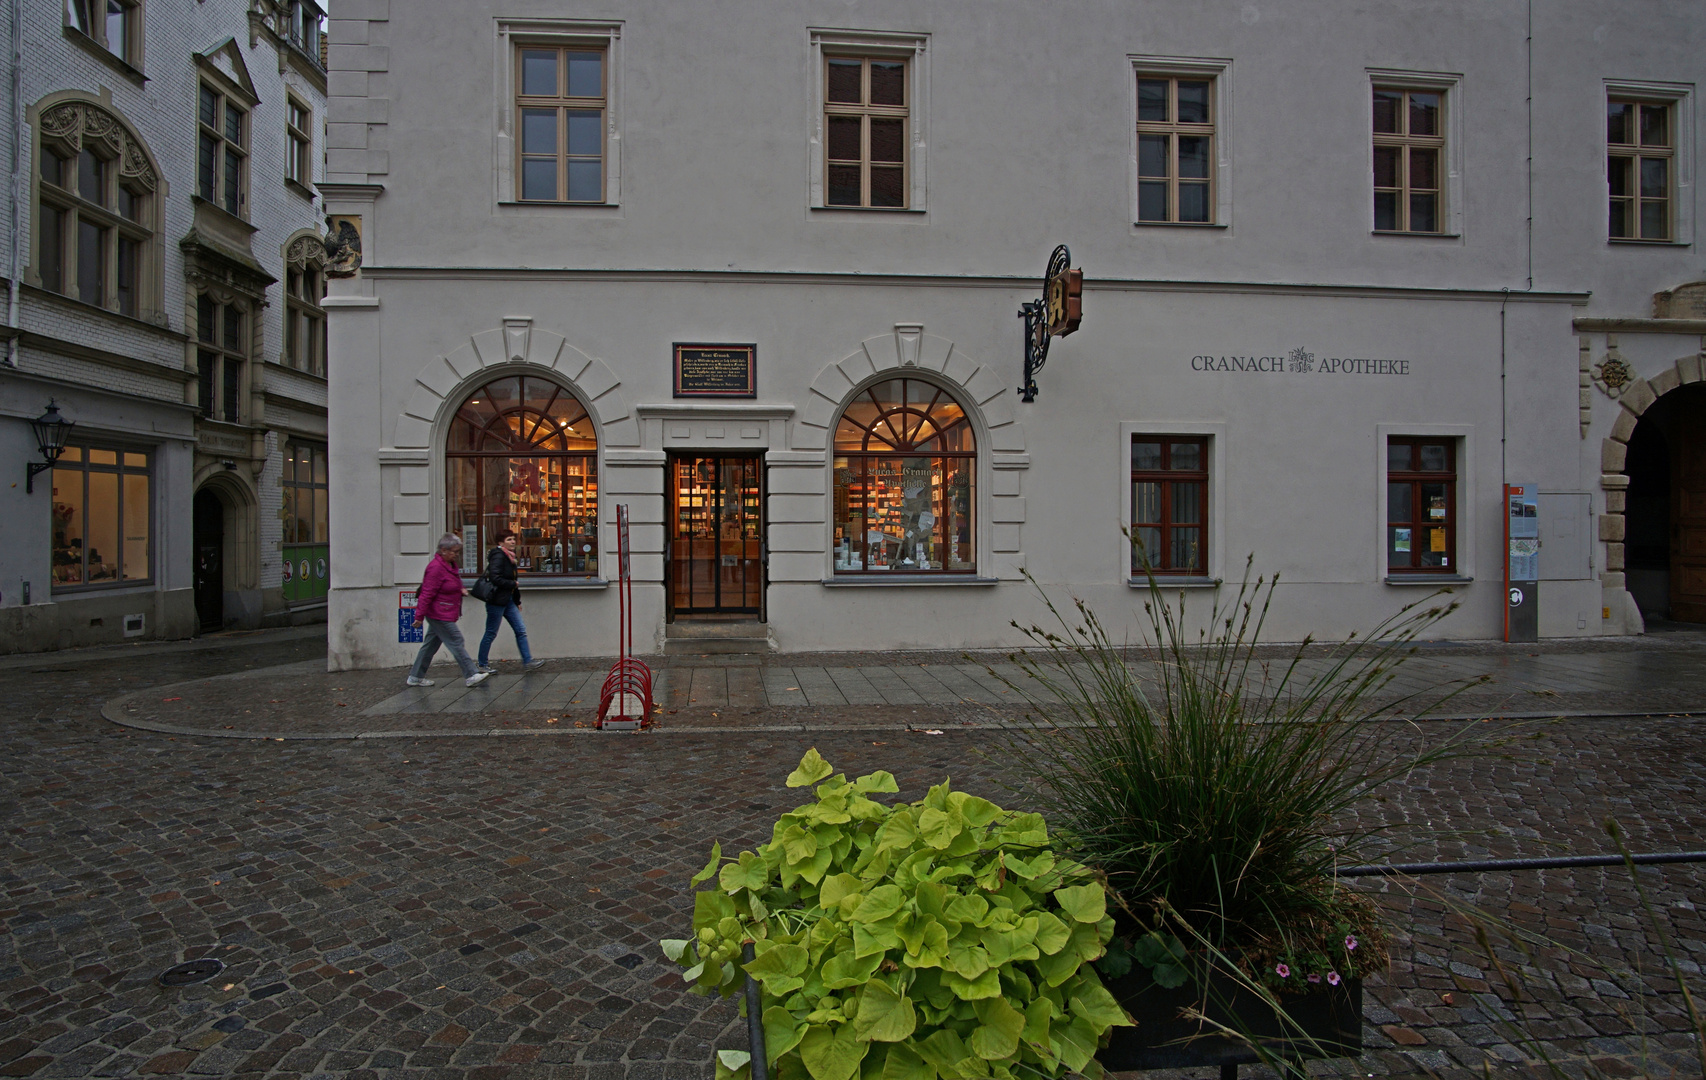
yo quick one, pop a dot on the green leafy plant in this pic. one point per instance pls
(1211, 780)
(941, 938)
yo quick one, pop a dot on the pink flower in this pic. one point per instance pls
(1350, 941)
(1282, 971)
(1314, 978)
(1333, 978)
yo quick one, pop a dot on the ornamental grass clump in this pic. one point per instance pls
(1212, 787)
(942, 938)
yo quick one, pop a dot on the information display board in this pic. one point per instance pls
(729, 371)
(1522, 562)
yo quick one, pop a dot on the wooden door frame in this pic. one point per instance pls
(672, 503)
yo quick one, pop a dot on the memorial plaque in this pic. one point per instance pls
(727, 371)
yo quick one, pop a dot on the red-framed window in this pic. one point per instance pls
(1169, 504)
(1421, 505)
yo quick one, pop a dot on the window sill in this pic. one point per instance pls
(1418, 235)
(1181, 582)
(101, 53)
(550, 584)
(547, 202)
(295, 371)
(301, 189)
(1180, 225)
(862, 210)
(1426, 579)
(869, 580)
(1618, 241)
(69, 590)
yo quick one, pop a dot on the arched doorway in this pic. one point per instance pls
(1666, 508)
(209, 540)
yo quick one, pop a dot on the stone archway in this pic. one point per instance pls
(1637, 396)
(225, 514)
(987, 397)
(515, 342)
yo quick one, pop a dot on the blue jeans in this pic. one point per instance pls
(495, 615)
(447, 634)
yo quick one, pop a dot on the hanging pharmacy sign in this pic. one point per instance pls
(1056, 314)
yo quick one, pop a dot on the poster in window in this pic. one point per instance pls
(1436, 507)
(1436, 540)
(1400, 539)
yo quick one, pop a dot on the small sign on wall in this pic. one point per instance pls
(727, 371)
(407, 632)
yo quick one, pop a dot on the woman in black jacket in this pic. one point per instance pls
(505, 603)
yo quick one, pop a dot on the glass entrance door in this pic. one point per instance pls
(716, 535)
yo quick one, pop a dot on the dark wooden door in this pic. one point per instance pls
(209, 542)
(1688, 518)
(716, 542)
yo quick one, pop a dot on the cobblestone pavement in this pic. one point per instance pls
(487, 907)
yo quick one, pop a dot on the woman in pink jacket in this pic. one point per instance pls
(438, 605)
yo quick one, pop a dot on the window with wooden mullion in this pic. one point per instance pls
(560, 103)
(865, 118)
(1169, 505)
(299, 166)
(1175, 149)
(93, 229)
(1639, 153)
(222, 152)
(1409, 152)
(1421, 505)
(221, 350)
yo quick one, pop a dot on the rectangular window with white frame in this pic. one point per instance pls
(559, 133)
(1648, 164)
(1180, 164)
(869, 96)
(1416, 152)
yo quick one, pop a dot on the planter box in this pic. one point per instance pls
(1330, 1019)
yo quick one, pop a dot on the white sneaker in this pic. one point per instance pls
(477, 678)
(415, 680)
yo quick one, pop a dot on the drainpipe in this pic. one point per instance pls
(17, 186)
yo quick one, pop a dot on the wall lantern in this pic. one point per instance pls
(51, 430)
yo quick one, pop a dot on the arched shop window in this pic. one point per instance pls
(522, 455)
(904, 463)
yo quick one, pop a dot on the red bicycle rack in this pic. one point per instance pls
(625, 702)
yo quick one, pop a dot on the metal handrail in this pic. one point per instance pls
(1482, 866)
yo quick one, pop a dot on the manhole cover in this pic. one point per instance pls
(192, 972)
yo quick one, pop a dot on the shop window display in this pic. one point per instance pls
(1421, 506)
(102, 517)
(522, 455)
(905, 459)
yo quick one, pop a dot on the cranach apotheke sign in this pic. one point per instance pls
(1301, 362)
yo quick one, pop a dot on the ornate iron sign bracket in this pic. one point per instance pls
(1056, 313)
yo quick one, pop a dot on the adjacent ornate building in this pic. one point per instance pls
(165, 276)
(753, 268)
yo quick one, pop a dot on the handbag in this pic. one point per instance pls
(483, 589)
